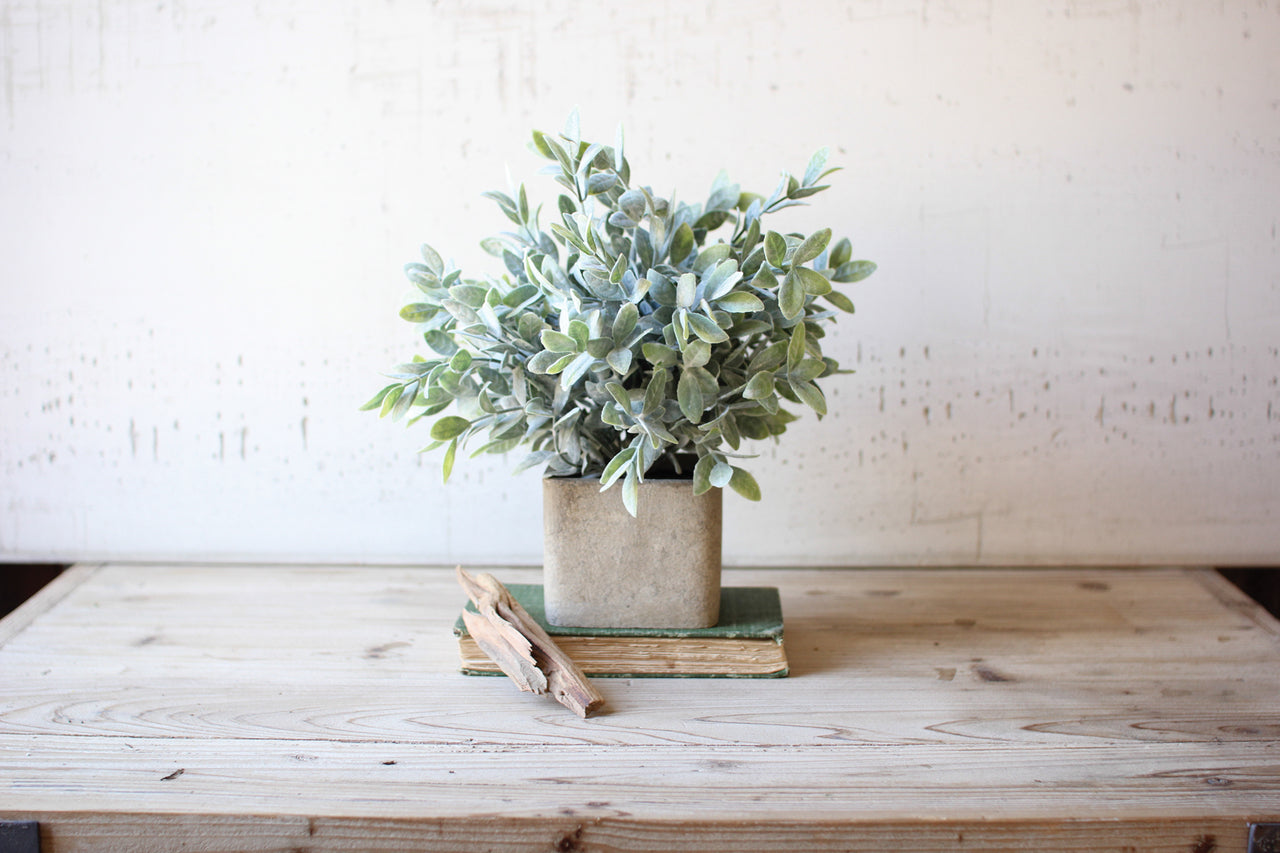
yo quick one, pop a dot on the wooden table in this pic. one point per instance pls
(319, 709)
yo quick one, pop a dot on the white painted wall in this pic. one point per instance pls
(1071, 351)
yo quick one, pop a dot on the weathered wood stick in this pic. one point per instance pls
(521, 648)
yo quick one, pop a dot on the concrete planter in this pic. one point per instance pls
(605, 569)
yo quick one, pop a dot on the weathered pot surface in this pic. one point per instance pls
(605, 569)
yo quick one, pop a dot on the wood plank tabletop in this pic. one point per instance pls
(214, 708)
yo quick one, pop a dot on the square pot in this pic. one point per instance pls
(605, 569)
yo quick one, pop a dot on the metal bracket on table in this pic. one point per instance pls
(1264, 838)
(19, 836)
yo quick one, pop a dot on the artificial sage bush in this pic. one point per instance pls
(621, 335)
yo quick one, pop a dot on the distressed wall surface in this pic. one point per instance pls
(1071, 351)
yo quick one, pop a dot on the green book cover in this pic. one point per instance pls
(746, 613)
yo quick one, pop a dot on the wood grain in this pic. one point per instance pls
(267, 708)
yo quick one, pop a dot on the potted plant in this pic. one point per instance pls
(630, 340)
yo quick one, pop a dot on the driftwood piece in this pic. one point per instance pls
(521, 648)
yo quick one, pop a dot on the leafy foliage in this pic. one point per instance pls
(620, 335)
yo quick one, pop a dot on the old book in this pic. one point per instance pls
(746, 643)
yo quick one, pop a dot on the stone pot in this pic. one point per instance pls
(604, 569)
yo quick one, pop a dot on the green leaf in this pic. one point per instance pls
(449, 427)
(619, 267)
(529, 326)
(811, 395)
(697, 352)
(631, 490)
(616, 468)
(601, 182)
(619, 394)
(491, 322)
(791, 296)
(759, 386)
(765, 279)
(721, 474)
(412, 370)
(702, 474)
(577, 366)
(543, 362)
(710, 256)
(841, 252)
(632, 204)
(389, 399)
(711, 220)
(433, 409)
(753, 428)
(739, 302)
(744, 484)
(681, 243)
(710, 387)
(570, 237)
(687, 290)
(470, 295)
(599, 347)
(660, 289)
(440, 342)
(729, 429)
(376, 400)
(619, 360)
(655, 392)
(557, 341)
(839, 300)
(618, 140)
(775, 248)
(418, 312)
(813, 282)
(746, 328)
(768, 358)
(812, 246)
(538, 408)
(659, 355)
(540, 145)
(461, 361)
(573, 128)
(537, 457)
(464, 314)
(580, 332)
(816, 163)
(625, 321)
(520, 295)
(753, 262)
(449, 456)
(706, 328)
(795, 348)
(689, 396)
(807, 191)
(422, 278)
(450, 382)
(720, 280)
(505, 445)
(587, 158)
(853, 271)
(432, 259)
(679, 326)
(807, 370)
